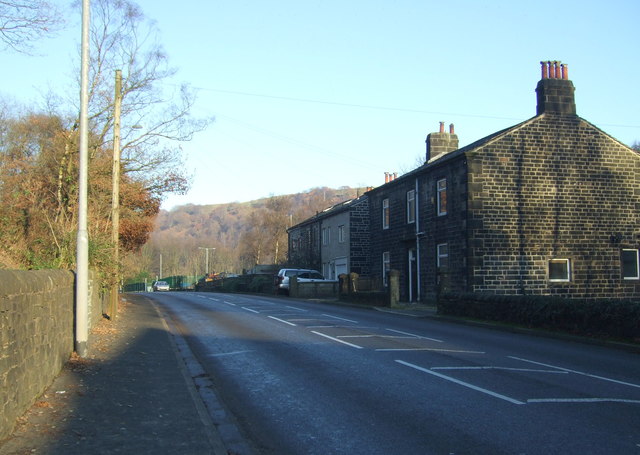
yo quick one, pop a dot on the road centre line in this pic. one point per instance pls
(230, 303)
(630, 384)
(374, 335)
(297, 309)
(341, 319)
(525, 370)
(462, 383)
(338, 340)
(249, 309)
(414, 335)
(282, 320)
(457, 351)
(582, 400)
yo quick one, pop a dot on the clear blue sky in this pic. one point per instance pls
(311, 93)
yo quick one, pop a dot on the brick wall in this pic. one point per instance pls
(36, 335)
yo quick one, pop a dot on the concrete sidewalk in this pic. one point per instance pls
(132, 394)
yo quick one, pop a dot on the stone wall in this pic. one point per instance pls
(556, 187)
(36, 335)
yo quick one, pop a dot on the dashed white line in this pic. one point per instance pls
(459, 351)
(341, 319)
(337, 339)
(294, 308)
(462, 383)
(222, 354)
(525, 370)
(582, 400)
(282, 320)
(230, 303)
(603, 378)
(414, 335)
(249, 309)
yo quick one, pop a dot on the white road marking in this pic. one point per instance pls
(341, 319)
(430, 349)
(249, 309)
(294, 308)
(222, 354)
(582, 400)
(526, 370)
(336, 339)
(630, 384)
(282, 320)
(414, 335)
(462, 383)
(230, 303)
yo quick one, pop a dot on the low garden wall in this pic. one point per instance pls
(601, 318)
(36, 335)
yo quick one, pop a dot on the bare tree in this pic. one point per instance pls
(24, 21)
(156, 114)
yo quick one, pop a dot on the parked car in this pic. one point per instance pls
(160, 286)
(303, 276)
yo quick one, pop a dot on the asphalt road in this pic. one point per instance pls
(311, 378)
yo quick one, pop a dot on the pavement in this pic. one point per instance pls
(133, 393)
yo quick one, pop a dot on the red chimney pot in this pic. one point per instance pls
(545, 70)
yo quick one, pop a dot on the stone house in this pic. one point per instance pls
(550, 206)
(334, 241)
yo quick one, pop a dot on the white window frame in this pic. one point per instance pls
(442, 254)
(326, 235)
(566, 278)
(386, 214)
(411, 206)
(341, 234)
(622, 271)
(441, 189)
(386, 267)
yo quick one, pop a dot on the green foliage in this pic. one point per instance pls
(612, 319)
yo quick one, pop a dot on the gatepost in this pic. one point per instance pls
(394, 288)
(293, 287)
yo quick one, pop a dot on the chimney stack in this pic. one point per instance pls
(555, 90)
(440, 143)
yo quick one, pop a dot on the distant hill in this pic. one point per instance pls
(187, 227)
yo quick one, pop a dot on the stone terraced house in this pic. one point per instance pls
(550, 206)
(334, 241)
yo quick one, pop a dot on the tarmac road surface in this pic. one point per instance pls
(311, 378)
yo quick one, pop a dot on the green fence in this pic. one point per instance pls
(176, 283)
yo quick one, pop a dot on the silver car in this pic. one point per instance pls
(160, 286)
(303, 275)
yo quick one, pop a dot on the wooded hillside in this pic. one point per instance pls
(243, 234)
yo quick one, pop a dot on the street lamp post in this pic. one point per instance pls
(82, 242)
(206, 249)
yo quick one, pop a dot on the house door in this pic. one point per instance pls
(341, 267)
(413, 276)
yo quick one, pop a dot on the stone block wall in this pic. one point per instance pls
(555, 187)
(36, 336)
(37, 323)
(359, 238)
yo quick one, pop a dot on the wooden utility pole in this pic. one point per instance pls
(115, 195)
